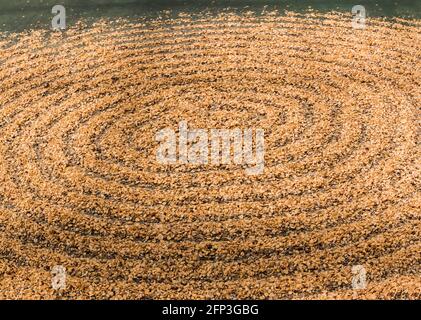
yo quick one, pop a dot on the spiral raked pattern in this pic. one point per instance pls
(80, 185)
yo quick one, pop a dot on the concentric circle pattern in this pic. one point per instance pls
(80, 185)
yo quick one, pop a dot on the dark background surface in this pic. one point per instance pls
(17, 15)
